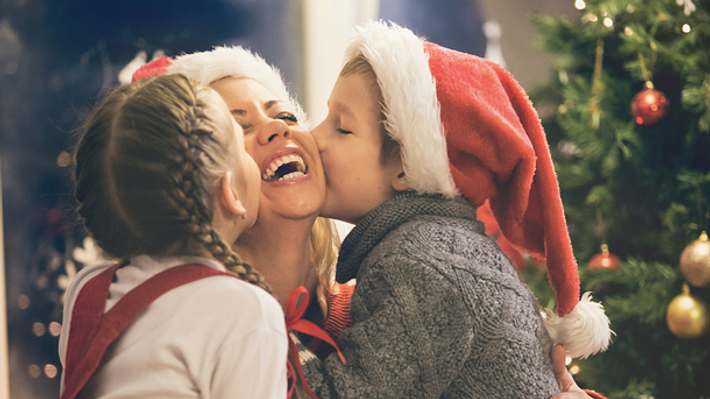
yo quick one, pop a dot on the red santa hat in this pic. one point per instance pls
(206, 67)
(466, 127)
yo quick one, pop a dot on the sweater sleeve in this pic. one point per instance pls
(410, 335)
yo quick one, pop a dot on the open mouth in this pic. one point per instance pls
(287, 167)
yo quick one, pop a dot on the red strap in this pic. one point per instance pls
(95, 332)
(86, 316)
(296, 307)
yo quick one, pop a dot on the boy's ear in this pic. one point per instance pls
(228, 196)
(399, 181)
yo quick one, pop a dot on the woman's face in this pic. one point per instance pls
(293, 184)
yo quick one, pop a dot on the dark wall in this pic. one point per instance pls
(56, 57)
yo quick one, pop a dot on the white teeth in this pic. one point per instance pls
(291, 176)
(275, 164)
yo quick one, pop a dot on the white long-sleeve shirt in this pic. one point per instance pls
(218, 337)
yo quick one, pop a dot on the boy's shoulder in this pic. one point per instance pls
(430, 236)
(454, 248)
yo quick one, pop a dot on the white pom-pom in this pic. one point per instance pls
(584, 331)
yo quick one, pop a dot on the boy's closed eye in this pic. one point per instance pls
(342, 131)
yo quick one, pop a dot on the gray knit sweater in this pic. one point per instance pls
(438, 312)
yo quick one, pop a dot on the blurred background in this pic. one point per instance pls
(57, 57)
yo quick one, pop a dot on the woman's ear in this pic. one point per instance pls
(399, 181)
(229, 198)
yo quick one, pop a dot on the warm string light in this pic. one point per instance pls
(50, 370)
(64, 159)
(685, 28)
(34, 371)
(23, 302)
(55, 328)
(580, 4)
(39, 329)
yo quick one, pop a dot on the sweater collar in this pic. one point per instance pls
(391, 214)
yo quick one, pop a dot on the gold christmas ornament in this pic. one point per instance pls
(695, 262)
(687, 316)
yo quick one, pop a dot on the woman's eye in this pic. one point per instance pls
(343, 131)
(287, 116)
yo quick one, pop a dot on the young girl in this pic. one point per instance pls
(163, 183)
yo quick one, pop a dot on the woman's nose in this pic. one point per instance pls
(272, 130)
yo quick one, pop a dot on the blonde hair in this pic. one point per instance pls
(324, 246)
(360, 65)
(144, 164)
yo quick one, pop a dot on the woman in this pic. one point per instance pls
(292, 246)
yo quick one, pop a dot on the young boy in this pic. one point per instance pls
(417, 137)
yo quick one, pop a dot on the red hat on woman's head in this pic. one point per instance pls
(156, 67)
(206, 67)
(466, 127)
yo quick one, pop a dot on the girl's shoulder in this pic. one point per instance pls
(231, 300)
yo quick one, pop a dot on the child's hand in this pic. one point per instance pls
(568, 388)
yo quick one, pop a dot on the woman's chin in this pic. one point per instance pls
(283, 207)
(298, 199)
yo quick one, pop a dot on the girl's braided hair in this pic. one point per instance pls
(144, 163)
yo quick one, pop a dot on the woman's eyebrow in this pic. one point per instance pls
(242, 112)
(271, 103)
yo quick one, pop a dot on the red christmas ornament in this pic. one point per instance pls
(604, 260)
(649, 106)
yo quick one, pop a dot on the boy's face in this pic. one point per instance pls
(350, 141)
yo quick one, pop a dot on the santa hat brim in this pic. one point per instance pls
(411, 108)
(207, 67)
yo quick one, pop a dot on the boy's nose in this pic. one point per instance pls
(272, 130)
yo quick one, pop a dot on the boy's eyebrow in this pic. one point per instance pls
(342, 108)
(267, 106)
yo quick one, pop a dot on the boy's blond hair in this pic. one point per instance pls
(360, 65)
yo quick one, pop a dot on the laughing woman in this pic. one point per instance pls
(291, 245)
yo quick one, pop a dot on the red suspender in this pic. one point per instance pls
(92, 331)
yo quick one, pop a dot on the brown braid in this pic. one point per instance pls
(192, 209)
(144, 163)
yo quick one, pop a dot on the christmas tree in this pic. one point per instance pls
(630, 135)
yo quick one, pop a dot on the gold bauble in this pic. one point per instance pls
(695, 262)
(687, 316)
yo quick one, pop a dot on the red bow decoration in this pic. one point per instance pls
(297, 304)
(156, 67)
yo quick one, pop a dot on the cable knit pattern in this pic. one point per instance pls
(438, 311)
